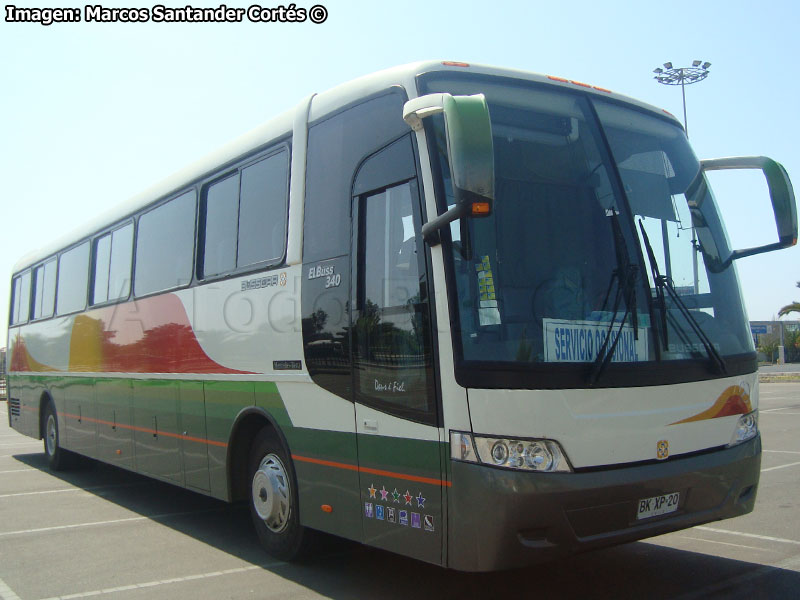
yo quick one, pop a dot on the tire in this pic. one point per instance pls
(58, 459)
(273, 499)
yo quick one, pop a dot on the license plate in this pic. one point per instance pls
(658, 505)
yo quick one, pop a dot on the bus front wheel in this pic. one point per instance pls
(57, 457)
(273, 499)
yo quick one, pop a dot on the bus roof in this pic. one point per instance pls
(281, 126)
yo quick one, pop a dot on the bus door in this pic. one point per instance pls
(400, 465)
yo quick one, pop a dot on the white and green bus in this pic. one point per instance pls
(475, 316)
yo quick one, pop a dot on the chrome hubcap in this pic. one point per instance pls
(271, 495)
(50, 435)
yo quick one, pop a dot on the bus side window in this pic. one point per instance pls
(22, 299)
(244, 217)
(44, 290)
(165, 246)
(73, 279)
(112, 265)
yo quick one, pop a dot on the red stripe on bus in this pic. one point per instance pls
(188, 438)
(349, 467)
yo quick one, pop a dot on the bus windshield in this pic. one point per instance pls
(560, 272)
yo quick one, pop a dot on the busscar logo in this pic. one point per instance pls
(662, 449)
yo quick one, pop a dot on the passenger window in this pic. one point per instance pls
(22, 299)
(245, 217)
(45, 290)
(262, 213)
(112, 265)
(73, 279)
(222, 201)
(165, 246)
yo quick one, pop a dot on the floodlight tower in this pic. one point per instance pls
(682, 76)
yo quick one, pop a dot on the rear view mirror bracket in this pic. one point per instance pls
(781, 194)
(470, 154)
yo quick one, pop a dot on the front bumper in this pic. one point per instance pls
(501, 519)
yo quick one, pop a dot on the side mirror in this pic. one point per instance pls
(780, 192)
(470, 153)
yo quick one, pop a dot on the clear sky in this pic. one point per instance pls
(91, 114)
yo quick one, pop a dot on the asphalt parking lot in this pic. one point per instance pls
(102, 532)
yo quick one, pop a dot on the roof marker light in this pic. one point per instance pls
(453, 63)
(579, 83)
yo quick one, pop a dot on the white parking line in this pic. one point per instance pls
(780, 414)
(17, 471)
(6, 593)
(749, 535)
(150, 584)
(782, 451)
(20, 443)
(77, 489)
(780, 467)
(111, 522)
(687, 537)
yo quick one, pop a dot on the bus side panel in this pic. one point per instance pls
(80, 416)
(318, 484)
(20, 389)
(194, 440)
(114, 433)
(224, 400)
(322, 441)
(156, 437)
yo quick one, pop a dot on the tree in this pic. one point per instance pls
(793, 307)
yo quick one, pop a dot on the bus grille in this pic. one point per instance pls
(14, 406)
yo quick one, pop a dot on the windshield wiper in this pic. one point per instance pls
(662, 283)
(625, 274)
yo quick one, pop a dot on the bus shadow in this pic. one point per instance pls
(343, 570)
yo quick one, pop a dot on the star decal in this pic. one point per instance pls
(408, 497)
(384, 493)
(420, 501)
(396, 495)
(371, 489)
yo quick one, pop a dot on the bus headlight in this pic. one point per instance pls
(746, 428)
(544, 456)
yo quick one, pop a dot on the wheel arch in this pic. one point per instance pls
(44, 400)
(246, 426)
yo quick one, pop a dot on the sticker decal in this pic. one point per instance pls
(390, 515)
(488, 313)
(428, 522)
(379, 512)
(735, 400)
(420, 501)
(368, 509)
(396, 496)
(371, 489)
(384, 493)
(408, 497)
(404, 518)
(415, 521)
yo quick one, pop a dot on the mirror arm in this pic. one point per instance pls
(431, 229)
